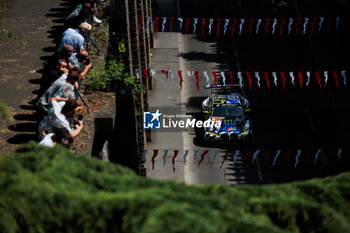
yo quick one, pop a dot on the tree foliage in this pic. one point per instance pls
(52, 190)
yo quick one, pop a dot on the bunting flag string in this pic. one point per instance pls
(335, 24)
(298, 79)
(264, 157)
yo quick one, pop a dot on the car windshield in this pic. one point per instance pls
(228, 111)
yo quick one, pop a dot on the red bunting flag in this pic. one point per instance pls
(231, 79)
(318, 77)
(266, 27)
(267, 156)
(308, 155)
(202, 28)
(171, 23)
(267, 80)
(196, 74)
(251, 21)
(181, 79)
(234, 22)
(313, 26)
(336, 78)
(215, 78)
(300, 75)
(224, 159)
(288, 154)
(140, 23)
(284, 80)
(187, 24)
(176, 152)
(155, 154)
(218, 27)
(156, 25)
(145, 72)
(297, 26)
(202, 157)
(166, 72)
(283, 22)
(246, 157)
(250, 80)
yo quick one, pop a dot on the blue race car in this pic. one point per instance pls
(230, 110)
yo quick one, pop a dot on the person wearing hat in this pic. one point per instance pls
(75, 37)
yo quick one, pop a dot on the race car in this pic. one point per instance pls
(230, 110)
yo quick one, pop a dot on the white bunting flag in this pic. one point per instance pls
(241, 26)
(308, 73)
(185, 156)
(292, 78)
(239, 75)
(258, 26)
(215, 154)
(206, 77)
(297, 158)
(211, 21)
(195, 21)
(343, 74)
(278, 152)
(195, 157)
(305, 25)
(144, 156)
(274, 75)
(320, 24)
(180, 22)
(337, 23)
(235, 157)
(153, 72)
(317, 155)
(147, 23)
(255, 155)
(340, 151)
(164, 156)
(225, 25)
(163, 24)
(223, 78)
(190, 73)
(171, 72)
(137, 73)
(290, 25)
(274, 26)
(257, 78)
(325, 77)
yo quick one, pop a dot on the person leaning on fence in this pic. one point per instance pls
(75, 37)
(52, 73)
(58, 117)
(58, 136)
(82, 61)
(43, 104)
(79, 15)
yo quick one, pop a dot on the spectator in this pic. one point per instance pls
(54, 72)
(82, 61)
(75, 37)
(44, 101)
(58, 117)
(59, 136)
(79, 15)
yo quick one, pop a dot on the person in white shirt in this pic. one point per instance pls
(59, 136)
(58, 117)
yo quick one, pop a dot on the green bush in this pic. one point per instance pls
(106, 76)
(52, 190)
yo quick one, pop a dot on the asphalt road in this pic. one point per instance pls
(310, 124)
